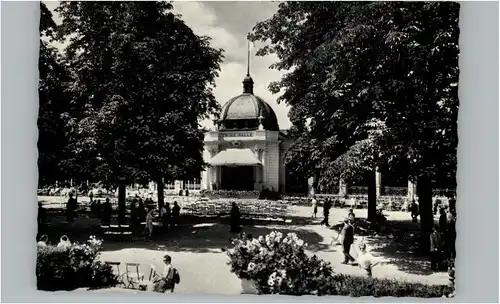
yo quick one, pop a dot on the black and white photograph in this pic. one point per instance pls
(246, 147)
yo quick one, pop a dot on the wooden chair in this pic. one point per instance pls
(143, 285)
(118, 273)
(131, 276)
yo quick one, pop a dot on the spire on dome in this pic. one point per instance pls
(248, 81)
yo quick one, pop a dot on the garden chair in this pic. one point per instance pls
(120, 275)
(143, 285)
(133, 277)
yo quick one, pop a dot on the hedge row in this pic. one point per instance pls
(355, 286)
(55, 271)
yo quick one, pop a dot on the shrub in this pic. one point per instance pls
(73, 267)
(355, 286)
(278, 264)
(53, 269)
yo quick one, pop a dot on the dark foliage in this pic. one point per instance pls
(344, 285)
(56, 271)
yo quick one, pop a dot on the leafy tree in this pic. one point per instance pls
(351, 63)
(53, 103)
(143, 81)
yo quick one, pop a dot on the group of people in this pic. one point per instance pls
(63, 242)
(327, 205)
(169, 216)
(345, 238)
(443, 238)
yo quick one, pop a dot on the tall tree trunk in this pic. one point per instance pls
(122, 190)
(372, 195)
(161, 195)
(424, 192)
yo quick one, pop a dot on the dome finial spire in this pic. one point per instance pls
(248, 81)
(248, 57)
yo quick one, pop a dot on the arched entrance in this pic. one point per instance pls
(237, 178)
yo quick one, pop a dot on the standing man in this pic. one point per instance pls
(414, 211)
(451, 235)
(163, 217)
(70, 208)
(435, 253)
(176, 211)
(347, 235)
(326, 212)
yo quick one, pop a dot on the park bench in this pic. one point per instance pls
(116, 230)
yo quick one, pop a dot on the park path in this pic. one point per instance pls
(207, 272)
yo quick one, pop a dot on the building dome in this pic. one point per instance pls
(247, 111)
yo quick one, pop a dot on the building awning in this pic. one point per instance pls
(235, 157)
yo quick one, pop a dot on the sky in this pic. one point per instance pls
(228, 23)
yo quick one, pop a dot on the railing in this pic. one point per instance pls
(442, 192)
(395, 191)
(334, 189)
(192, 185)
(357, 190)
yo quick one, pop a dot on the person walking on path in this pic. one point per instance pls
(451, 235)
(107, 212)
(71, 208)
(443, 220)
(176, 212)
(435, 254)
(366, 260)
(149, 224)
(235, 218)
(134, 217)
(314, 204)
(326, 212)
(414, 211)
(163, 217)
(347, 235)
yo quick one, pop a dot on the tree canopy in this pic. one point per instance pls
(350, 65)
(136, 82)
(143, 82)
(54, 103)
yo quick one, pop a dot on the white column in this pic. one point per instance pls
(412, 190)
(378, 183)
(310, 186)
(342, 187)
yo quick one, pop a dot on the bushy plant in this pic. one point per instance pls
(53, 269)
(354, 286)
(278, 264)
(73, 267)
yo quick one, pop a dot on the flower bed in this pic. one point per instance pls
(215, 194)
(278, 264)
(73, 267)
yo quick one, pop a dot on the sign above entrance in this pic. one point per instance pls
(238, 134)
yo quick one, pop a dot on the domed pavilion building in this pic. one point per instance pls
(246, 150)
